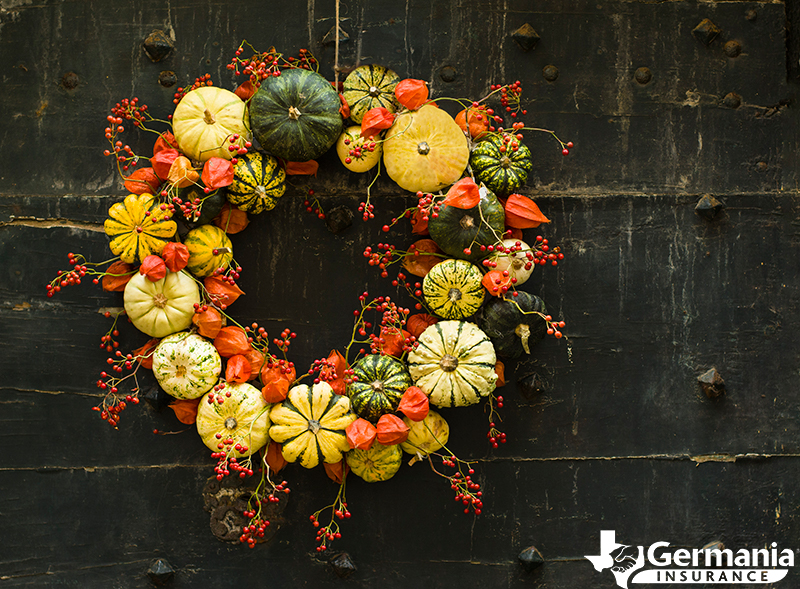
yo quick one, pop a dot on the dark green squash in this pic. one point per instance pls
(456, 229)
(513, 324)
(503, 172)
(295, 116)
(379, 383)
(212, 204)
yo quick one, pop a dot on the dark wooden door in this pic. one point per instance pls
(662, 108)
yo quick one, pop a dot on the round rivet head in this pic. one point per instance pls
(447, 73)
(750, 14)
(167, 78)
(643, 75)
(70, 80)
(732, 100)
(550, 73)
(158, 45)
(530, 558)
(732, 48)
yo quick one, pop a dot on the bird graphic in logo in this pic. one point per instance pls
(623, 560)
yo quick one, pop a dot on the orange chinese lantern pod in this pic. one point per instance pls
(182, 173)
(375, 121)
(117, 276)
(275, 459)
(336, 471)
(414, 404)
(175, 256)
(238, 369)
(162, 161)
(222, 291)
(339, 366)
(344, 109)
(500, 371)
(230, 341)
(391, 430)
(420, 264)
(256, 360)
(473, 120)
(142, 180)
(394, 339)
(276, 382)
(146, 353)
(419, 322)
(217, 173)
(464, 194)
(153, 267)
(166, 140)
(308, 168)
(185, 410)
(208, 322)
(231, 219)
(360, 434)
(411, 93)
(419, 224)
(496, 282)
(522, 213)
(245, 90)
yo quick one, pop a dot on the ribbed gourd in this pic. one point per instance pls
(367, 87)
(137, 228)
(499, 166)
(310, 424)
(162, 307)
(453, 364)
(242, 418)
(426, 436)
(186, 365)
(515, 324)
(378, 385)
(295, 116)
(258, 182)
(205, 121)
(452, 289)
(209, 248)
(378, 463)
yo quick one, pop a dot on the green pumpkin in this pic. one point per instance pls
(379, 383)
(455, 230)
(368, 87)
(295, 116)
(514, 324)
(211, 204)
(209, 248)
(452, 289)
(503, 172)
(378, 463)
(258, 183)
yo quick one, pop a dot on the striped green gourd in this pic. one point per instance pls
(378, 463)
(378, 384)
(368, 87)
(452, 289)
(499, 166)
(258, 183)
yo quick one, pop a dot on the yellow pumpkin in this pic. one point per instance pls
(353, 152)
(163, 307)
(137, 228)
(426, 436)
(310, 424)
(242, 417)
(377, 463)
(209, 248)
(425, 150)
(206, 119)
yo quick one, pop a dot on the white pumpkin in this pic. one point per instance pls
(453, 364)
(242, 417)
(162, 307)
(186, 365)
(516, 263)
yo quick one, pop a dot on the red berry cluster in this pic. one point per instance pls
(330, 532)
(284, 340)
(357, 152)
(510, 96)
(254, 530)
(381, 260)
(554, 327)
(313, 206)
(113, 404)
(468, 492)
(326, 369)
(494, 435)
(204, 80)
(263, 65)
(68, 277)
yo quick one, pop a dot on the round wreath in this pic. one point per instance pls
(360, 408)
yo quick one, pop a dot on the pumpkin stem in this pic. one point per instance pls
(208, 118)
(160, 300)
(377, 386)
(448, 363)
(294, 114)
(454, 295)
(314, 426)
(467, 222)
(523, 331)
(374, 91)
(231, 423)
(505, 162)
(423, 148)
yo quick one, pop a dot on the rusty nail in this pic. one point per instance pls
(550, 73)
(711, 384)
(732, 48)
(448, 73)
(706, 31)
(643, 75)
(732, 100)
(530, 558)
(70, 80)
(526, 37)
(343, 565)
(330, 36)
(750, 14)
(167, 78)
(158, 45)
(160, 572)
(708, 207)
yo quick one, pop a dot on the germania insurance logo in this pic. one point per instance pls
(658, 563)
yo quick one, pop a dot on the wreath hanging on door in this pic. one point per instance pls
(224, 155)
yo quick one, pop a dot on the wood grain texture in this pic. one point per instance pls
(653, 296)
